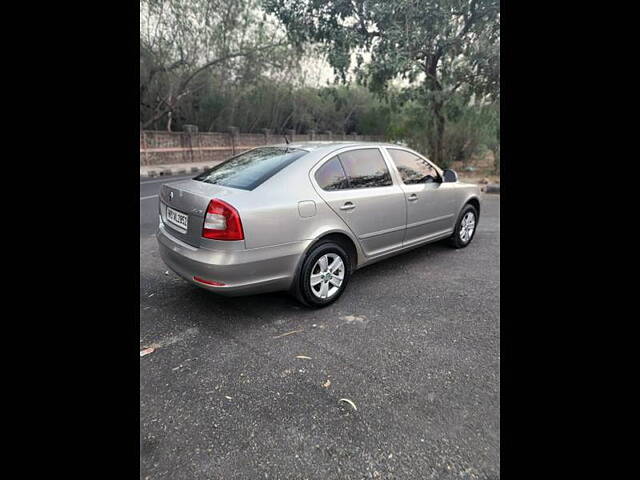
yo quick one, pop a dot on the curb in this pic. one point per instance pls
(492, 188)
(167, 172)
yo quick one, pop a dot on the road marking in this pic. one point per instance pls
(147, 198)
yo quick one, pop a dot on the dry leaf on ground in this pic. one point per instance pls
(349, 402)
(288, 333)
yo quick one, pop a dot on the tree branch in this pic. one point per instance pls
(163, 69)
(224, 58)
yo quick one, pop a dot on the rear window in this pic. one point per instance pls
(250, 169)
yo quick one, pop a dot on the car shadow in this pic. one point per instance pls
(181, 305)
(402, 260)
(268, 307)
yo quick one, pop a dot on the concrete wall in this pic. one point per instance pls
(162, 148)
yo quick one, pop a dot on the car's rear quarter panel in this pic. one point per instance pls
(274, 216)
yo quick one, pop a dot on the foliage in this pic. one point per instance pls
(469, 130)
(188, 46)
(449, 48)
(422, 72)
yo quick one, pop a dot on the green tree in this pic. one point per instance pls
(186, 46)
(448, 48)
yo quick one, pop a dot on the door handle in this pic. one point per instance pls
(348, 206)
(413, 197)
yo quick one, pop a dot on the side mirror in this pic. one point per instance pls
(449, 175)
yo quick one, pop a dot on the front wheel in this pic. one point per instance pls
(324, 275)
(465, 227)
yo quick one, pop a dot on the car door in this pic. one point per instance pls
(358, 187)
(430, 202)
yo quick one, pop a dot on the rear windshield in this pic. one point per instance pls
(252, 168)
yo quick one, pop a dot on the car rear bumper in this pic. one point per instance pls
(243, 272)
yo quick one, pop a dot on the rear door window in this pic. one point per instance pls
(365, 168)
(331, 176)
(250, 169)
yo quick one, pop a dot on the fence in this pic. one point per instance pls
(162, 148)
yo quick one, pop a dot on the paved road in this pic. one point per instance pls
(414, 342)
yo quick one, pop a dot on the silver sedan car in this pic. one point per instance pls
(303, 217)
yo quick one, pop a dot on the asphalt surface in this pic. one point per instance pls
(414, 343)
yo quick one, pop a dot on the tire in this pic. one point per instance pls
(310, 295)
(461, 238)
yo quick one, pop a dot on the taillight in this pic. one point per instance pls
(208, 282)
(222, 222)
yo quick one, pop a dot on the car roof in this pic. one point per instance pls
(328, 146)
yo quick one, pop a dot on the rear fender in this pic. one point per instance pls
(318, 238)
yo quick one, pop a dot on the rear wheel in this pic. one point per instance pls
(465, 227)
(324, 275)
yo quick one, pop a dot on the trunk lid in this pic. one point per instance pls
(191, 198)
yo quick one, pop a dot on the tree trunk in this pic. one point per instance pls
(438, 150)
(435, 87)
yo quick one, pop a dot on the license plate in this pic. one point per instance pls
(177, 218)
